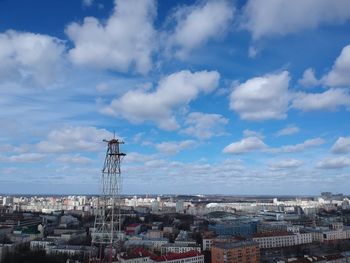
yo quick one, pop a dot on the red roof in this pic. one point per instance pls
(174, 256)
(137, 253)
(134, 225)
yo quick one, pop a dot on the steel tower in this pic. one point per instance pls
(107, 226)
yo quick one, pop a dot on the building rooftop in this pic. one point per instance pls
(174, 256)
(274, 234)
(230, 245)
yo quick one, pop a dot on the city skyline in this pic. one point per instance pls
(211, 97)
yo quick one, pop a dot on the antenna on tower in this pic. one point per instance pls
(107, 227)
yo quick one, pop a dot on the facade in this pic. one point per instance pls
(244, 229)
(235, 252)
(286, 239)
(179, 248)
(36, 245)
(207, 243)
(188, 257)
(330, 235)
(5, 249)
(81, 251)
(153, 244)
(143, 256)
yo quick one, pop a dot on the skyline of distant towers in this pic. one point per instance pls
(107, 225)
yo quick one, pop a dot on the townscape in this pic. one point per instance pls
(183, 131)
(181, 229)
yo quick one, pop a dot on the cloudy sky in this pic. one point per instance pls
(216, 96)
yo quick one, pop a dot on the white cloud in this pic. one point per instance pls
(248, 144)
(75, 159)
(262, 98)
(174, 147)
(102, 87)
(309, 79)
(125, 40)
(72, 139)
(250, 133)
(329, 100)
(252, 51)
(298, 147)
(197, 24)
(342, 145)
(23, 158)
(87, 3)
(285, 164)
(204, 126)
(271, 17)
(339, 76)
(254, 142)
(334, 162)
(172, 92)
(30, 57)
(289, 130)
(135, 157)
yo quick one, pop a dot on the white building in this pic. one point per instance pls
(206, 243)
(36, 245)
(282, 240)
(68, 250)
(179, 248)
(330, 235)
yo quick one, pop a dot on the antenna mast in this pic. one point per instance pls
(107, 226)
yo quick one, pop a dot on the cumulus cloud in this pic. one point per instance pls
(197, 24)
(250, 133)
(173, 91)
(125, 40)
(262, 98)
(255, 143)
(329, 100)
(289, 130)
(203, 125)
(342, 145)
(270, 17)
(30, 57)
(74, 159)
(23, 158)
(309, 79)
(285, 164)
(298, 147)
(248, 144)
(174, 147)
(72, 139)
(334, 162)
(339, 75)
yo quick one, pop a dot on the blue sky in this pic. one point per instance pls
(216, 97)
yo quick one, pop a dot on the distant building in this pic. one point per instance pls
(188, 257)
(179, 248)
(283, 239)
(80, 251)
(234, 252)
(244, 229)
(329, 235)
(133, 229)
(179, 206)
(5, 249)
(143, 256)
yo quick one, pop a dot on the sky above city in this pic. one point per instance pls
(210, 97)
